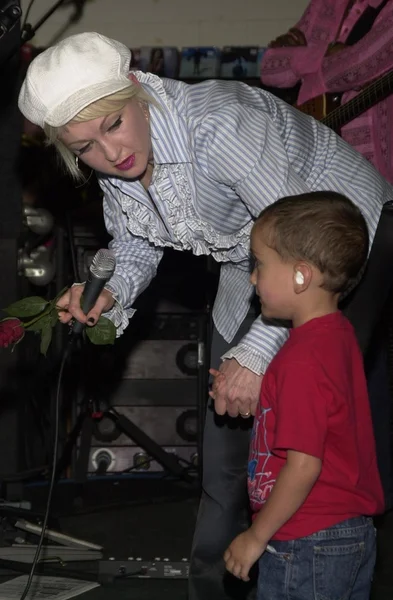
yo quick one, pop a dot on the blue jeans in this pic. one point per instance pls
(332, 564)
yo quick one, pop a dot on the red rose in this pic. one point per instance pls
(11, 331)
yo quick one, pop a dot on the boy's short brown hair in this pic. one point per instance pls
(323, 228)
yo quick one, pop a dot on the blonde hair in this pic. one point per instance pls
(101, 108)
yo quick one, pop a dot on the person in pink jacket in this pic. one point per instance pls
(340, 47)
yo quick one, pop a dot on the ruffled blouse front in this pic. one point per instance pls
(169, 217)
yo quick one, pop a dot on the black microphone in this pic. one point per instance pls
(101, 270)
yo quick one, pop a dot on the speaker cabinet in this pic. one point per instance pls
(156, 377)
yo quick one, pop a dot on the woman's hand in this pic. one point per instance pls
(235, 389)
(70, 302)
(294, 37)
(336, 47)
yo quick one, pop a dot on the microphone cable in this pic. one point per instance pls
(101, 270)
(65, 356)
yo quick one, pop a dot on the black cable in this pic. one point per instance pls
(47, 569)
(22, 475)
(53, 476)
(28, 32)
(27, 14)
(148, 460)
(71, 244)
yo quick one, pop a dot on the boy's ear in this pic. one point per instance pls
(302, 276)
(299, 277)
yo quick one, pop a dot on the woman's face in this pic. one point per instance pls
(117, 145)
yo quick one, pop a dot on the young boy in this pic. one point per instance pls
(312, 478)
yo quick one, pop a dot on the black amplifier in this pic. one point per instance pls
(155, 375)
(158, 568)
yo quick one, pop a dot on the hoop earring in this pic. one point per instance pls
(77, 162)
(85, 180)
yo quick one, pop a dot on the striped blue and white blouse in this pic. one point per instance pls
(222, 152)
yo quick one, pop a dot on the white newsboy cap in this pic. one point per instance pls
(66, 78)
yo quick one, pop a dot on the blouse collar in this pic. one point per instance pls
(168, 130)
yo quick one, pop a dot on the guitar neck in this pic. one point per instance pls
(371, 95)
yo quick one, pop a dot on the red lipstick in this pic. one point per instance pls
(127, 163)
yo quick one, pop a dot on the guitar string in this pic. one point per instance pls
(363, 97)
(336, 115)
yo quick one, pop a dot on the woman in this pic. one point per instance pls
(191, 167)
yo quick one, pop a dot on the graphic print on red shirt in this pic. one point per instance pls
(260, 478)
(314, 400)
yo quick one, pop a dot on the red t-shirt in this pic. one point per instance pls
(314, 400)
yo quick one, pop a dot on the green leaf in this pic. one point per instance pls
(103, 332)
(53, 317)
(27, 307)
(46, 337)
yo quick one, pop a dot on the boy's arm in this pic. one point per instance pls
(294, 482)
(300, 432)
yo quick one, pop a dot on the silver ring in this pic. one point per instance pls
(245, 415)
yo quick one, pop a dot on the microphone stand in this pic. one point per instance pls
(28, 31)
(10, 18)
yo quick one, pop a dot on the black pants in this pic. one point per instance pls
(223, 511)
(380, 400)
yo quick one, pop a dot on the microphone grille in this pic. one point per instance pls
(103, 264)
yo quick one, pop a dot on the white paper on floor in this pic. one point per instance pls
(45, 588)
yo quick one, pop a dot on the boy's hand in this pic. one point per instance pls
(243, 552)
(235, 389)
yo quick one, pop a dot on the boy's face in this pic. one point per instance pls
(273, 280)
